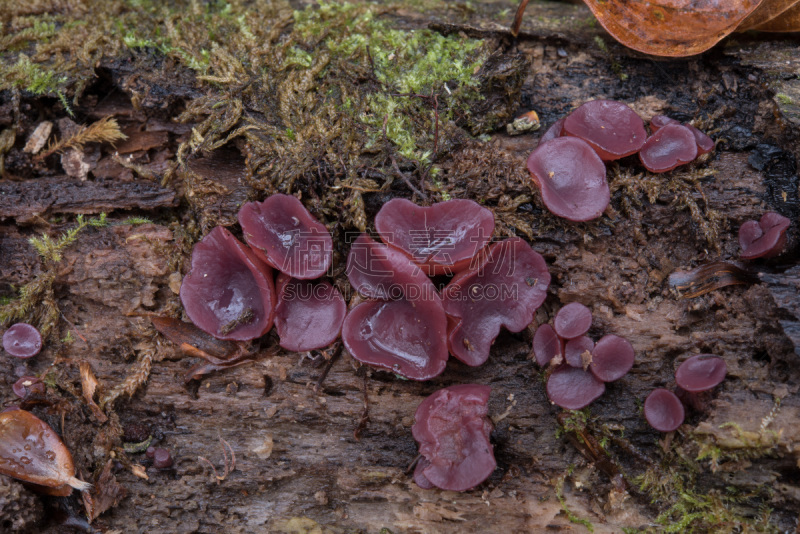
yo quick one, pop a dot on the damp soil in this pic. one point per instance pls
(333, 455)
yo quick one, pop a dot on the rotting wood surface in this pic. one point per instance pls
(312, 461)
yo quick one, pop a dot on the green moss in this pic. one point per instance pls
(570, 515)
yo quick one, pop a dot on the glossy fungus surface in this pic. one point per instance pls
(669, 147)
(611, 128)
(505, 290)
(228, 292)
(571, 178)
(573, 388)
(32, 452)
(765, 238)
(612, 358)
(547, 345)
(379, 271)
(443, 237)
(701, 372)
(553, 132)
(407, 338)
(162, 459)
(286, 236)
(28, 385)
(578, 351)
(573, 320)
(663, 410)
(659, 121)
(22, 340)
(308, 315)
(452, 429)
(704, 143)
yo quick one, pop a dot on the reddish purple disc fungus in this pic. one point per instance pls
(704, 143)
(442, 238)
(672, 145)
(573, 320)
(308, 315)
(452, 429)
(287, 237)
(229, 291)
(663, 410)
(573, 388)
(612, 358)
(701, 373)
(611, 128)
(547, 345)
(505, 290)
(28, 385)
(571, 177)
(22, 340)
(760, 239)
(578, 351)
(659, 121)
(553, 132)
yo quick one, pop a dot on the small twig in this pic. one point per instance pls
(337, 352)
(229, 465)
(400, 174)
(413, 463)
(362, 424)
(515, 26)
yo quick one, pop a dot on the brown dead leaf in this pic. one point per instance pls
(786, 21)
(767, 11)
(89, 385)
(139, 471)
(106, 494)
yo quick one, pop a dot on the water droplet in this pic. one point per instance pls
(25, 460)
(27, 446)
(50, 455)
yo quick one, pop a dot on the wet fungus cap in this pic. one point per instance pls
(308, 315)
(671, 146)
(578, 351)
(229, 291)
(659, 121)
(663, 410)
(504, 290)
(443, 237)
(554, 131)
(611, 128)
(22, 340)
(704, 143)
(28, 385)
(452, 429)
(282, 232)
(612, 358)
(547, 345)
(573, 320)
(701, 373)
(572, 388)
(765, 238)
(571, 178)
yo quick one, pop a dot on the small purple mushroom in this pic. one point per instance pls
(571, 178)
(659, 121)
(28, 386)
(762, 239)
(162, 459)
(22, 341)
(612, 358)
(671, 146)
(547, 346)
(229, 291)
(452, 429)
(578, 352)
(573, 320)
(553, 132)
(611, 128)
(308, 315)
(663, 410)
(701, 372)
(573, 388)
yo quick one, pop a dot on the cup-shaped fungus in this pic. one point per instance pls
(573, 320)
(287, 237)
(22, 340)
(32, 452)
(547, 346)
(612, 358)
(663, 410)
(659, 121)
(553, 132)
(672, 145)
(452, 429)
(578, 352)
(701, 372)
(442, 238)
(28, 386)
(308, 315)
(704, 143)
(229, 291)
(765, 238)
(571, 178)
(573, 388)
(611, 128)
(504, 290)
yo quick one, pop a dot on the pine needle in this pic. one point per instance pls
(105, 130)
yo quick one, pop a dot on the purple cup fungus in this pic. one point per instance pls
(406, 335)
(452, 429)
(28, 386)
(671, 146)
(553, 132)
(571, 178)
(663, 410)
(659, 121)
(22, 340)
(162, 459)
(704, 143)
(282, 232)
(612, 358)
(573, 388)
(573, 320)
(309, 315)
(701, 372)
(505, 290)
(229, 291)
(611, 128)
(578, 352)
(547, 346)
(758, 239)
(442, 238)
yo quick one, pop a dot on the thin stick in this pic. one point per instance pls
(518, 17)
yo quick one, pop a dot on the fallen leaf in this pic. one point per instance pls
(106, 494)
(89, 386)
